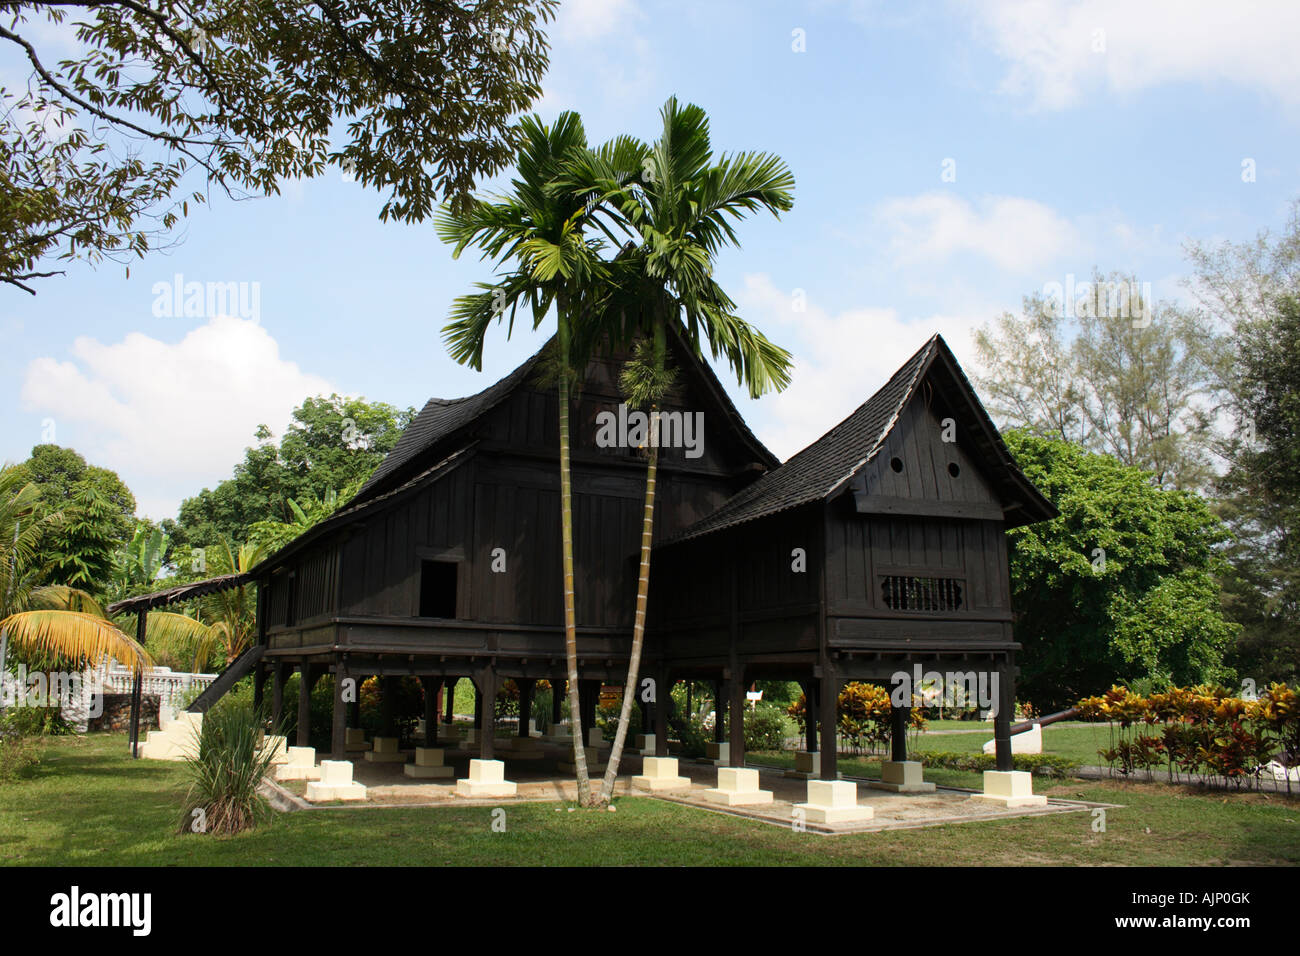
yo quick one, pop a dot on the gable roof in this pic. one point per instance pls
(441, 418)
(827, 465)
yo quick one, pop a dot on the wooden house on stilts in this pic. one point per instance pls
(877, 551)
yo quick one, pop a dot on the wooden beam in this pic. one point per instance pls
(304, 705)
(137, 683)
(737, 723)
(487, 683)
(339, 714)
(899, 717)
(828, 698)
(431, 688)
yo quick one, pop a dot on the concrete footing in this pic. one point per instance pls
(719, 753)
(300, 765)
(594, 763)
(335, 783)
(738, 787)
(354, 740)
(386, 750)
(486, 779)
(833, 801)
(660, 774)
(1009, 789)
(428, 764)
(807, 765)
(902, 776)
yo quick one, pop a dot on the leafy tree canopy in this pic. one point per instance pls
(333, 444)
(412, 97)
(1120, 585)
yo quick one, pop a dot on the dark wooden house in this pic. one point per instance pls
(878, 547)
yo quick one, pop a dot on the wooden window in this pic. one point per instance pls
(438, 588)
(901, 592)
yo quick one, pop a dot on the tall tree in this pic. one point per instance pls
(415, 97)
(681, 211)
(540, 232)
(1133, 378)
(1250, 288)
(1121, 585)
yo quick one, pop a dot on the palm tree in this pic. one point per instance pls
(55, 622)
(681, 211)
(541, 229)
(225, 623)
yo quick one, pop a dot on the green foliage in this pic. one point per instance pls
(1151, 606)
(1047, 765)
(20, 754)
(34, 722)
(766, 727)
(332, 444)
(226, 772)
(413, 97)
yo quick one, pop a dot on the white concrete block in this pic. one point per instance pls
(354, 740)
(594, 764)
(645, 744)
(1010, 789)
(833, 801)
(429, 756)
(596, 737)
(806, 765)
(1029, 742)
(336, 773)
(660, 773)
(318, 792)
(738, 786)
(902, 776)
(719, 753)
(486, 779)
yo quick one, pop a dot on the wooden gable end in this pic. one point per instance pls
(925, 467)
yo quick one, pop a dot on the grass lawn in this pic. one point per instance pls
(88, 804)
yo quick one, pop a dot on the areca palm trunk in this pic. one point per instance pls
(642, 584)
(566, 545)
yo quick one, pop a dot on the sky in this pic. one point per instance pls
(950, 158)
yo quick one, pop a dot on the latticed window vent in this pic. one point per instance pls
(902, 592)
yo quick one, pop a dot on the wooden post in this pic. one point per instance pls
(478, 703)
(277, 695)
(485, 707)
(339, 716)
(557, 698)
(259, 687)
(431, 689)
(525, 705)
(827, 698)
(737, 722)
(137, 684)
(450, 687)
(898, 722)
(663, 701)
(719, 710)
(304, 705)
(1006, 698)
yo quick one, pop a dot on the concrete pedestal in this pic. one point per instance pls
(486, 779)
(806, 765)
(594, 764)
(300, 764)
(720, 754)
(660, 774)
(354, 740)
(596, 738)
(521, 748)
(386, 750)
(428, 764)
(902, 776)
(738, 787)
(335, 783)
(1009, 789)
(645, 744)
(278, 748)
(834, 801)
(560, 733)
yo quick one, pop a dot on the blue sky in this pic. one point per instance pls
(1084, 135)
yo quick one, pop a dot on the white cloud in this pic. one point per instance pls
(1015, 234)
(840, 359)
(170, 418)
(1057, 49)
(583, 20)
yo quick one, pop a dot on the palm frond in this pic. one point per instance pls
(71, 634)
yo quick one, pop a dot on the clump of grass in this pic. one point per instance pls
(226, 772)
(19, 755)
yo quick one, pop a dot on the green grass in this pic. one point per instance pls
(88, 804)
(1079, 741)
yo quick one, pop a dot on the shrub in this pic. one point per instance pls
(227, 771)
(19, 754)
(765, 727)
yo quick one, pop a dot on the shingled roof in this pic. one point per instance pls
(828, 464)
